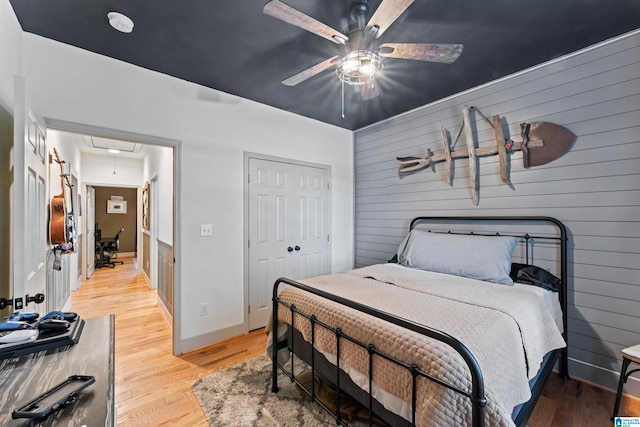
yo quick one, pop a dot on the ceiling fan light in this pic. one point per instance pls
(367, 68)
(351, 65)
(359, 67)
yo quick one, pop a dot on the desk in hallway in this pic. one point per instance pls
(26, 377)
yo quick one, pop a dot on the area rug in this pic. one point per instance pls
(242, 396)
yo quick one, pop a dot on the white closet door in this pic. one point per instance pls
(288, 228)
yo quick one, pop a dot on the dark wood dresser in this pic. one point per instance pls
(24, 378)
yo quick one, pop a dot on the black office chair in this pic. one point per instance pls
(112, 249)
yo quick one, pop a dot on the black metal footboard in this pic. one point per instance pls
(325, 369)
(476, 395)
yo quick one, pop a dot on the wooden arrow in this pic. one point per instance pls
(413, 164)
(541, 143)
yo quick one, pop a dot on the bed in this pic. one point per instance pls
(462, 327)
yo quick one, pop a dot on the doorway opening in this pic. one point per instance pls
(126, 170)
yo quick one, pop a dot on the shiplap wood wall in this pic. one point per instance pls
(594, 188)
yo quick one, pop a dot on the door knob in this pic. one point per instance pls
(289, 249)
(297, 248)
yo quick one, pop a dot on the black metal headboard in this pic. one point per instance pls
(561, 239)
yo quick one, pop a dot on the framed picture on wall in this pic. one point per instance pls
(145, 206)
(116, 207)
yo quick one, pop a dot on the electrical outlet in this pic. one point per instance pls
(17, 304)
(204, 309)
(206, 230)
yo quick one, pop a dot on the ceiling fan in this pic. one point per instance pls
(361, 61)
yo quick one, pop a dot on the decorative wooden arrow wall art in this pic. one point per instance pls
(542, 142)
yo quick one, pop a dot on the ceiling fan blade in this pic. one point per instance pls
(445, 53)
(311, 71)
(385, 15)
(288, 14)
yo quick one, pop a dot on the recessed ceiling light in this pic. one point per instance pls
(114, 151)
(120, 22)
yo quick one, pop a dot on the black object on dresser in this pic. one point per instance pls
(25, 377)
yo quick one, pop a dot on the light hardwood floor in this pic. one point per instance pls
(153, 387)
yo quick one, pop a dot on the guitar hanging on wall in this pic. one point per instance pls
(61, 226)
(58, 214)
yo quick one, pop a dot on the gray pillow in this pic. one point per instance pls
(478, 257)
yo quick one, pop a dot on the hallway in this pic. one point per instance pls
(153, 387)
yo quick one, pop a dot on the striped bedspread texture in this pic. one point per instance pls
(508, 329)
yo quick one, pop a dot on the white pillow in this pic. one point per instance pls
(478, 257)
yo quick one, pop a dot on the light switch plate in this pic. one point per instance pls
(206, 230)
(204, 309)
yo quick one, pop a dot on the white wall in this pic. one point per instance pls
(594, 188)
(10, 53)
(77, 86)
(99, 170)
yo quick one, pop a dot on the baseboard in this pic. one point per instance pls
(207, 339)
(146, 278)
(126, 254)
(165, 313)
(604, 378)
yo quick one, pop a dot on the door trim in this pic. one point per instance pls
(88, 258)
(153, 231)
(257, 156)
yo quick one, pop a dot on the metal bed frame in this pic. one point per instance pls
(318, 363)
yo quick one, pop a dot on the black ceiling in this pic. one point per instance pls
(230, 45)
